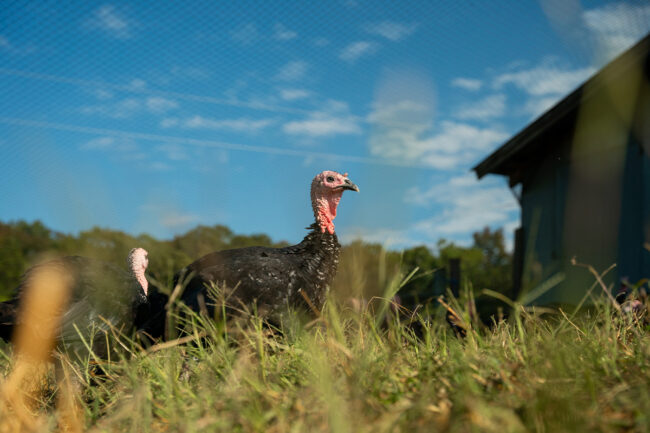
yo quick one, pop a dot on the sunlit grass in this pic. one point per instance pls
(350, 372)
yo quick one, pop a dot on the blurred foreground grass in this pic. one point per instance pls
(345, 373)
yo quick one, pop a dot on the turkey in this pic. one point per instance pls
(100, 292)
(273, 278)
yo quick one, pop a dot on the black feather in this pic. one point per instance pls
(270, 278)
(150, 316)
(98, 290)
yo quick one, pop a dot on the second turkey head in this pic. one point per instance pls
(326, 191)
(138, 262)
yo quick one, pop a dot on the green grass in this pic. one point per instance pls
(345, 373)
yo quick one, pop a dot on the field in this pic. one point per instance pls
(357, 371)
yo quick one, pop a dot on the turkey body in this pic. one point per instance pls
(270, 278)
(102, 296)
(150, 317)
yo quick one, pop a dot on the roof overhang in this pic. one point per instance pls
(507, 158)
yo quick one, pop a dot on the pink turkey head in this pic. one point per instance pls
(326, 190)
(138, 261)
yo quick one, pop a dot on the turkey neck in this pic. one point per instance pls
(142, 280)
(321, 259)
(324, 206)
(321, 242)
(137, 273)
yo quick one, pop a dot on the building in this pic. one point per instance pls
(581, 173)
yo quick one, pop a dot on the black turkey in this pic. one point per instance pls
(273, 278)
(102, 296)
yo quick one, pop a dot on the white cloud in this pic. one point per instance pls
(470, 84)
(471, 211)
(538, 105)
(98, 143)
(103, 95)
(173, 220)
(129, 107)
(173, 151)
(405, 114)
(110, 144)
(111, 21)
(387, 237)
(444, 191)
(157, 104)
(157, 166)
(166, 215)
(358, 49)
(246, 34)
(334, 106)
(542, 85)
(169, 122)
(321, 42)
(294, 94)
(320, 124)
(200, 122)
(545, 79)
(467, 205)
(404, 132)
(391, 30)
(333, 119)
(119, 110)
(460, 138)
(292, 71)
(460, 206)
(487, 108)
(617, 26)
(281, 33)
(137, 84)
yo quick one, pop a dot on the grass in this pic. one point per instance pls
(349, 372)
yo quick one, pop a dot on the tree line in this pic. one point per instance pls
(365, 269)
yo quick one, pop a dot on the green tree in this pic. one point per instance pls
(428, 282)
(20, 245)
(364, 270)
(494, 271)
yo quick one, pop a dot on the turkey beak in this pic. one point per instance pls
(349, 185)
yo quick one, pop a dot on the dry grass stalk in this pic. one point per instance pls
(47, 292)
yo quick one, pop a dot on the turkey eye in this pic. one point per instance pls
(330, 179)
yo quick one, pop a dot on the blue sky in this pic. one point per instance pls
(152, 117)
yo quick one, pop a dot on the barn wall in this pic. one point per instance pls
(593, 201)
(631, 239)
(642, 136)
(539, 206)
